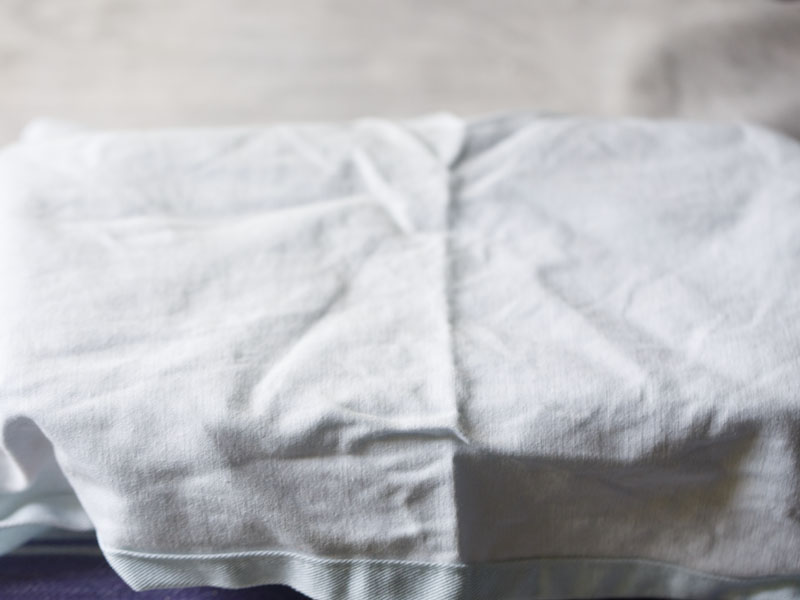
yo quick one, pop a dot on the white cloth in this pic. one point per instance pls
(357, 358)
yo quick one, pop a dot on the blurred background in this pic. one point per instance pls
(150, 63)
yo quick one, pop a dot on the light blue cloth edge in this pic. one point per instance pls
(363, 579)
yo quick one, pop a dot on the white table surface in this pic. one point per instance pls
(148, 63)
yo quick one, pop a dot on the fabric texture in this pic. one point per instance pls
(522, 356)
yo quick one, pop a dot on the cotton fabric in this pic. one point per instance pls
(545, 356)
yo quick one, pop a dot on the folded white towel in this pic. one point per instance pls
(433, 359)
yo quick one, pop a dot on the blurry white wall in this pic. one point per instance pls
(126, 63)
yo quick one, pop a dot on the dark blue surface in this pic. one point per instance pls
(49, 574)
(75, 576)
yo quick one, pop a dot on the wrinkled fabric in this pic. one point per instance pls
(437, 341)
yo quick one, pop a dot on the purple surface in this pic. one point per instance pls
(76, 576)
(58, 570)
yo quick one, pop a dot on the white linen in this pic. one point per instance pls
(435, 342)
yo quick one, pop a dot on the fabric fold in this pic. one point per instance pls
(547, 356)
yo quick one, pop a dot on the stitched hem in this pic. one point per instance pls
(364, 579)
